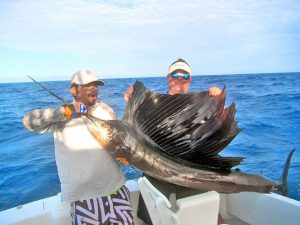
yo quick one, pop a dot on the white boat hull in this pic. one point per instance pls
(236, 209)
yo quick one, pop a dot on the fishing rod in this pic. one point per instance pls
(50, 92)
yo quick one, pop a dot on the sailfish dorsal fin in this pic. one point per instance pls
(192, 128)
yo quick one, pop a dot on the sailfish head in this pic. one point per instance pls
(100, 129)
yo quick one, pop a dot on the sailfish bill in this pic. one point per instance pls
(177, 139)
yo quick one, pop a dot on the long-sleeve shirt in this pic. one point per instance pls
(85, 169)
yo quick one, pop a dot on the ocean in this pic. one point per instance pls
(268, 111)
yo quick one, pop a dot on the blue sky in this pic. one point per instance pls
(50, 40)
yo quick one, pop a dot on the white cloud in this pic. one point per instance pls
(65, 25)
(148, 29)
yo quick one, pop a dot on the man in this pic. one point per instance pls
(90, 178)
(179, 79)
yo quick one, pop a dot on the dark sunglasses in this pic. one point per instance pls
(184, 76)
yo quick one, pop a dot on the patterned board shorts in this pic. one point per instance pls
(109, 210)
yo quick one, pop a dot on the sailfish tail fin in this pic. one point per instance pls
(284, 183)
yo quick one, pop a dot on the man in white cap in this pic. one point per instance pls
(90, 178)
(179, 79)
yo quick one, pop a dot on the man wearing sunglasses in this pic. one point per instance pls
(179, 79)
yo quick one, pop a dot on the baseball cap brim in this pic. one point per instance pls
(180, 66)
(84, 77)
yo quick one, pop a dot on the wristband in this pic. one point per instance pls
(69, 110)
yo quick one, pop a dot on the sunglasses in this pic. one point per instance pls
(184, 76)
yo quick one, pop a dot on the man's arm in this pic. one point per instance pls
(45, 120)
(48, 120)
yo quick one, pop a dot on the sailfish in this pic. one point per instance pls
(178, 138)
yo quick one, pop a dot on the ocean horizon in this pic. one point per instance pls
(105, 77)
(268, 112)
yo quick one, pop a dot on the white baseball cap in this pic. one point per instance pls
(85, 77)
(180, 64)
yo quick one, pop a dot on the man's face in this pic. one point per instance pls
(87, 94)
(178, 85)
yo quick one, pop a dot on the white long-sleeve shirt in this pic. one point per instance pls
(85, 169)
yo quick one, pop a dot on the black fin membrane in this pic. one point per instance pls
(192, 128)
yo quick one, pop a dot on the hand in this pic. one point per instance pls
(128, 93)
(122, 160)
(73, 109)
(214, 91)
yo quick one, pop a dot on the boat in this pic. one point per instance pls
(245, 208)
